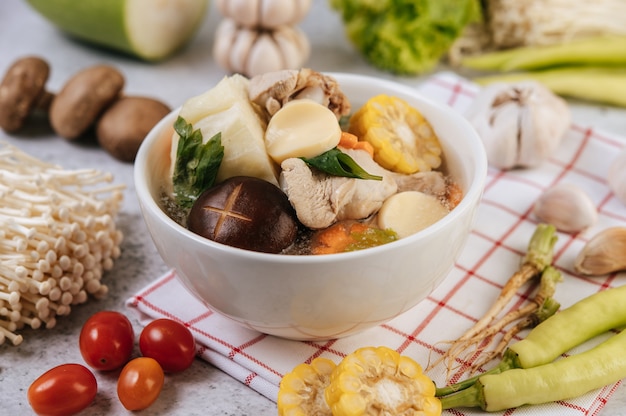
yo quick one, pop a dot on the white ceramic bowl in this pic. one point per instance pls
(326, 296)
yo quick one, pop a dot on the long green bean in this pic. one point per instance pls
(582, 321)
(563, 379)
(593, 83)
(599, 51)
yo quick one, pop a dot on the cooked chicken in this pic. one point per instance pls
(432, 182)
(321, 199)
(272, 90)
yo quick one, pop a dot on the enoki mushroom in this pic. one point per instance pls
(57, 237)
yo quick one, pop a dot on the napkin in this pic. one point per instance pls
(503, 228)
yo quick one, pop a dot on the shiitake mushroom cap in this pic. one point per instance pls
(245, 212)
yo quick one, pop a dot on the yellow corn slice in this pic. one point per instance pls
(379, 381)
(301, 392)
(403, 140)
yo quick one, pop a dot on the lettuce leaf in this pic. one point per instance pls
(405, 37)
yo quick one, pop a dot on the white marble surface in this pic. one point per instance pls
(202, 389)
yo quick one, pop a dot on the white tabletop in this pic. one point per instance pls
(202, 389)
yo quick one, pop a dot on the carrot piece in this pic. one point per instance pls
(350, 141)
(454, 194)
(349, 236)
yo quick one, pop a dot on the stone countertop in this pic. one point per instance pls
(202, 389)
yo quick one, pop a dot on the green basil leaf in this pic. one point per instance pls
(196, 164)
(337, 163)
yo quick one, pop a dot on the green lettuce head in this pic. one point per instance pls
(405, 36)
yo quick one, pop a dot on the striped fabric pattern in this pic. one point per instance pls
(493, 251)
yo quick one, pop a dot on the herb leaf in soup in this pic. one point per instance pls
(197, 163)
(337, 163)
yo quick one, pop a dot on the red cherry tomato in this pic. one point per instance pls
(106, 340)
(140, 383)
(63, 390)
(170, 343)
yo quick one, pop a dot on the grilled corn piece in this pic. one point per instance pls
(379, 381)
(403, 140)
(301, 392)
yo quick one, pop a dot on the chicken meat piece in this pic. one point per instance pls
(432, 182)
(272, 90)
(320, 199)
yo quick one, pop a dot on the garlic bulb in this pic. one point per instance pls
(605, 253)
(567, 207)
(251, 52)
(521, 124)
(265, 14)
(617, 176)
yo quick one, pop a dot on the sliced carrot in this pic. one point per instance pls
(454, 195)
(350, 141)
(349, 236)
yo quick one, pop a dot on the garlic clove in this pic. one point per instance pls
(605, 253)
(499, 137)
(294, 45)
(225, 35)
(617, 176)
(239, 53)
(567, 207)
(245, 12)
(275, 13)
(264, 56)
(264, 14)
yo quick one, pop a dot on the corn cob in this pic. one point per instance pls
(380, 381)
(301, 392)
(402, 138)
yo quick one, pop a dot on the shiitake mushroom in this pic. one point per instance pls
(245, 212)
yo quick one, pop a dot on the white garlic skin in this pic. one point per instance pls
(605, 253)
(617, 176)
(521, 124)
(567, 207)
(250, 52)
(264, 14)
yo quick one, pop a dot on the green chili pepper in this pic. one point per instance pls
(587, 318)
(563, 379)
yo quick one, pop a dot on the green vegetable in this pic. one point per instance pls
(405, 36)
(538, 257)
(584, 320)
(196, 165)
(599, 84)
(336, 163)
(597, 51)
(563, 379)
(370, 237)
(148, 29)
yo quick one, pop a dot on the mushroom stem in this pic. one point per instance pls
(57, 236)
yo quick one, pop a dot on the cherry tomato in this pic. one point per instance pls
(140, 383)
(170, 343)
(63, 390)
(106, 340)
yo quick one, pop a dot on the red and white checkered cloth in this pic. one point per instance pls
(493, 251)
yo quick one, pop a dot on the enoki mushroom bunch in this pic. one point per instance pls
(57, 237)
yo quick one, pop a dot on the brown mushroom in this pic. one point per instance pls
(247, 213)
(83, 98)
(22, 91)
(124, 125)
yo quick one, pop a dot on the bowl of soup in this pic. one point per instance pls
(304, 296)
